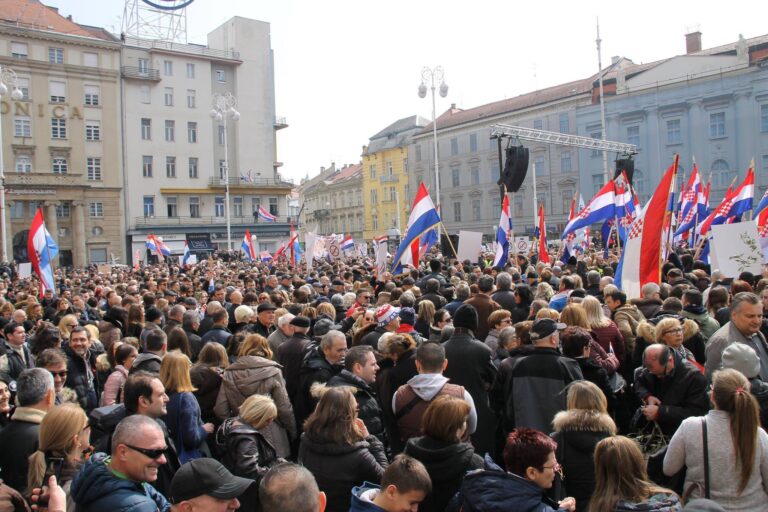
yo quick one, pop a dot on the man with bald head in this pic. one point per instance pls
(670, 388)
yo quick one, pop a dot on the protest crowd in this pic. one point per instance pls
(455, 385)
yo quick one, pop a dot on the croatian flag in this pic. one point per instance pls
(347, 244)
(423, 218)
(502, 235)
(186, 253)
(156, 245)
(543, 252)
(265, 257)
(247, 246)
(265, 215)
(426, 242)
(640, 261)
(693, 204)
(42, 249)
(734, 204)
(599, 208)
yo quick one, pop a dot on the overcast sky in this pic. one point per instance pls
(345, 69)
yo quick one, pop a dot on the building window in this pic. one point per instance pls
(237, 206)
(146, 129)
(539, 165)
(63, 210)
(23, 164)
(373, 171)
(390, 169)
(218, 206)
(221, 75)
(91, 59)
(143, 66)
(474, 173)
(418, 152)
(455, 181)
(191, 98)
(640, 182)
(565, 123)
(597, 182)
(454, 146)
(374, 196)
(255, 203)
(475, 209)
(146, 95)
(537, 124)
(716, 125)
(722, 175)
(674, 135)
(58, 128)
(146, 166)
(375, 222)
(764, 118)
(17, 209)
(92, 130)
(192, 132)
(23, 84)
(96, 209)
(170, 131)
(93, 168)
(473, 143)
(22, 126)
(457, 212)
(193, 163)
(222, 169)
(149, 206)
(596, 152)
(171, 206)
(60, 166)
(168, 97)
(194, 206)
(91, 95)
(495, 207)
(170, 167)
(565, 161)
(405, 165)
(168, 67)
(495, 173)
(567, 200)
(56, 55)
(633, 135)
(190, 70)
(393, 194)
(57, 91)
(19, 50)
(221, 135)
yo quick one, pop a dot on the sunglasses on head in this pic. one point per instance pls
(152, 454)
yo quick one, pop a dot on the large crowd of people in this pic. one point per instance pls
(454, 386)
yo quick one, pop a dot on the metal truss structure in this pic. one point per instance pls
(561, 139)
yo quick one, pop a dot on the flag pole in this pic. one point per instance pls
(447, 237)
(616, 220)
(672, 190)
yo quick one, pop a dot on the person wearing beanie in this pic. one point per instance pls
(470, 364)
(743, 359)
(407, 321)
(387, 320)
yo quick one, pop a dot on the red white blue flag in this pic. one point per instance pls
(42, 250)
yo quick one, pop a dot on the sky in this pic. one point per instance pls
(346, 69)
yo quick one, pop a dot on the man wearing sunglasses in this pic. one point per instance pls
(123, 480)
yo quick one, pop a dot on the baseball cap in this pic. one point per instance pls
(544, 327)
(206, 476)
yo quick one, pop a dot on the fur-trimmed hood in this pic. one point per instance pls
(583, 420)
(647, 330)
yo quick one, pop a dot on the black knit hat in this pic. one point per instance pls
(466, 317)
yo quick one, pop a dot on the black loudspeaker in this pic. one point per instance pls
(515, 168)
(627, 165)
(445, 247)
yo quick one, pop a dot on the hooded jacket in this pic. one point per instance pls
(627, 318)
(707, 325)
(96, 489)
(446, 463)
(363, 496)
(148, 362)
(246, 451)
(369, 409)
(648, 307)
(251, 375)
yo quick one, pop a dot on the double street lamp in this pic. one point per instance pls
(224, 107)
(432, 76)
(7, 77)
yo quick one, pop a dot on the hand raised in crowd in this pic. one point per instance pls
(568, 504)
(54, 500)
(362, 427)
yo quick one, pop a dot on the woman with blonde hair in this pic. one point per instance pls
(246, 451)
(63, 438)
(183, 420)
(254, 372)
(327, 309)
(548, 313)
(425, 318)
(544, 292)
(736, 448)
(606, 332)
(669, 332)
(622, 483)
(66, 324)
(577, 431)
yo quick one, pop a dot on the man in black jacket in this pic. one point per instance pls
(218, 332)
(319, 365)
(291, 354)
(265, 319)
(190, 323)
(81, 368)
(149, 361)
(504, 296)
(14, 353)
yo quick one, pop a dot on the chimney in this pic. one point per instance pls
(69, 17)
(693, 42)
(453, 106)
(615, 59)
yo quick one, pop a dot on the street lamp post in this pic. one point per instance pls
(224, 107)
(433, 76)
(7, 77)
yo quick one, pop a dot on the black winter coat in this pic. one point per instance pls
(759, 390)
(207, 380)
(597, 375)
(290, 356)
(246, 452)
(446, 463)
(218, 334)
(505, 299)
(315, 369)
(82, 379)
(337, 468)
(18, 440)
(369, 409)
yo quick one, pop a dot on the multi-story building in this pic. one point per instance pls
(711, 105)
(332, 201)
(176, 172)
(61, 142)
(385, 177)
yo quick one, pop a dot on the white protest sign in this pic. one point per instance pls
(522, 244)
(737, 248)
(25, 270)
(470, 244)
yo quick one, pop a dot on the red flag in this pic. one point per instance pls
(543, 253)
(653, 224)
(290, 245)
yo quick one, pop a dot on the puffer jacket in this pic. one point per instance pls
(577, 432)
(147, 362)
(251, 375)
(707, 325)
(367, 403)
(96, 489)
(247, 453)
(446, 463)
(82, 377)
(338, 468)
(661, 502)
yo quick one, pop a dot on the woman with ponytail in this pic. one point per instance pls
(737, 447)
(64, 438)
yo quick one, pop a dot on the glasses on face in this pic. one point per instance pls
(679, 330)
(556, 467)
(151, 454)
(62, 374)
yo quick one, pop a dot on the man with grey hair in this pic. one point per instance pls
(322, 362)
(190, 322)
(207, 322)
(35, 395)
(175, 318)
(461, 294)
(593, 284)
(291, 487)
(504, 295)
(744, 327)
(122, 481)
(282, 334)
(650, 304)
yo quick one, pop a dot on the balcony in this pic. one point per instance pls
(389, 179)
(42, 179)
(251, 183)
(153, 222)
(140, 73)
(280, 123)
(192, 49)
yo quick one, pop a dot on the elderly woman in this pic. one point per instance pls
(680, 334)
(497, 320)
(246, 451)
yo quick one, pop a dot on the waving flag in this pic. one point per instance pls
(185, 259)
(692, 206)
(423, 218)
(265, 257)
(569, 240)
(502, 235)
(426, 241)
(625, 202)
(543, 252)
(640, 261)
(265, 215)
(599, 208)
(156, 245)
(347, 244)
(247, 246)
(736, 203)
(42, 249)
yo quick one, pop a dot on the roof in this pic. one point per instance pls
(332, 176)
(401, 125)
(396, 135)
(34, 15)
